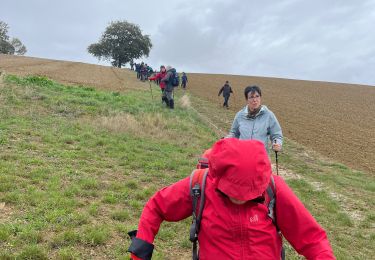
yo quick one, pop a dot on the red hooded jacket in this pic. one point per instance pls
(240, 169)
(159, 76)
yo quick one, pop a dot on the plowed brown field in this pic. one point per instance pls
(336, 120)
(68, 72)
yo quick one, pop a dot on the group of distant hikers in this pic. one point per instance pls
(167, 78)
(239, 208)
(142, 69)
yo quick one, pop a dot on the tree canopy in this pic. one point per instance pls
(7, 45)
(121, 43)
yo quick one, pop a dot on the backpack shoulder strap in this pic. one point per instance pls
(271, 190)
(197, 187)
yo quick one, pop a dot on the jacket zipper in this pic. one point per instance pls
(252, 130)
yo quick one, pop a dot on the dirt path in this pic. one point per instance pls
(347, 206)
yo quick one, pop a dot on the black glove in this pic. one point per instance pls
(139, 247)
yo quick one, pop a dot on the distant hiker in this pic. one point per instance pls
(184, 80)
(144, 72)
(131, 65)
(138, 70)
(168, 80)
(158, 77)
(256, 121)
(235, 222)
(149, 71)
(226, 90)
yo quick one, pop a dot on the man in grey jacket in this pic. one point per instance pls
(256, 121)
(226, 90)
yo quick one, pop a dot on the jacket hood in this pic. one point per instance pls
(241, 168)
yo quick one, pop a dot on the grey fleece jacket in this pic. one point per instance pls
(263, 127)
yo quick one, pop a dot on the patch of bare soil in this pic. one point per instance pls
(286, 174)
(5, 212)
(347, 206)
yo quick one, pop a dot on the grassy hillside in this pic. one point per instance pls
(77, 165)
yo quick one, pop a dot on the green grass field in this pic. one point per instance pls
(77, 166)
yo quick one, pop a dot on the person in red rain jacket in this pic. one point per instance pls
(158, 78)
(234, 222)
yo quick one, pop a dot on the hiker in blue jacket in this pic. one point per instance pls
(256, 121)
(184, 80)
(138, 70)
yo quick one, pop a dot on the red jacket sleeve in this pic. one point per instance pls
(134, 257)
(172, 203)
(298, 226)
(157, 76)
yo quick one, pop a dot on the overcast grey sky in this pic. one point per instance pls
(327, 40)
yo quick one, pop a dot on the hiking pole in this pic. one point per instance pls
(151, 91)
(277, 164)
(277, 161)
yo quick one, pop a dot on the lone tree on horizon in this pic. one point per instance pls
(10, 46)
(121, 43)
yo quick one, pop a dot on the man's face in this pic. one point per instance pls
(253, 100)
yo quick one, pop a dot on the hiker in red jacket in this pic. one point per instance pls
(235, 222)
(158, 77)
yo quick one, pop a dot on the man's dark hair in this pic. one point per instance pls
(252, 89)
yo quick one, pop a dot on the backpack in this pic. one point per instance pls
(197, 187)
(174, 80)
(203, 160)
